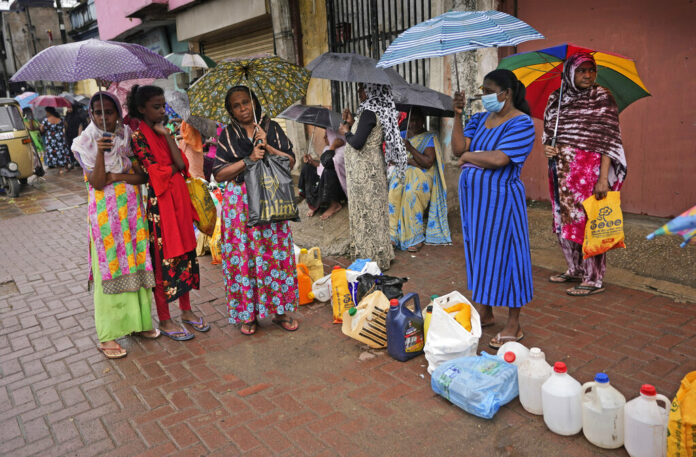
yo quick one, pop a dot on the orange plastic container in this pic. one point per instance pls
(304, 284)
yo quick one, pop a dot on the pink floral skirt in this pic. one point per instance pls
(258, 262)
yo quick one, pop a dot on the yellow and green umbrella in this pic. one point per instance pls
(276, 82)
(540, 71)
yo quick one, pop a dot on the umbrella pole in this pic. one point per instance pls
(101, 102)
(311, 141)
(552, 161)
(408, 119)
(456, 72)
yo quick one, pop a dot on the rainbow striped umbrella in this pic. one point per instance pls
(540, 71)
(683, 225)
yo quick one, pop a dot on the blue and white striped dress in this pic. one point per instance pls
(494, 215)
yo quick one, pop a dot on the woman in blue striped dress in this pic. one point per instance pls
(491, 150)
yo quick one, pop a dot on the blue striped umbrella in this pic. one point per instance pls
(457, 31)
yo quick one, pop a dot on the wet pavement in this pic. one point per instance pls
(314, 392)
(52, 192)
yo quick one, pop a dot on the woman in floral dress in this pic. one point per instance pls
(258, 262)
(53, 130)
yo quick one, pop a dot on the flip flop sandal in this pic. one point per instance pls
(286, 324)
(119, 352)
(499, 339)
(252, 326)
(564, 278)
(584, 291)
(415, 248)
(173, 335)
(195, 325)
(150, 337)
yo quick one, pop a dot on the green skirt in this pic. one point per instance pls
(117, 315)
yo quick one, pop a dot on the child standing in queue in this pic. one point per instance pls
(169, 212)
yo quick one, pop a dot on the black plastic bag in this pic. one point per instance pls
(391, 286)
(270, 193)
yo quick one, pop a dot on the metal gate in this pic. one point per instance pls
(367, 27)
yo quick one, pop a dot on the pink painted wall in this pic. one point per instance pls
(659, 132)
(111, 16)
(174, 4)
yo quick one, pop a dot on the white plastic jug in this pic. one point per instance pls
(645, 424)
(321, 289)
(561, 402)
(519, 352)
(603, 413)
(531, 374)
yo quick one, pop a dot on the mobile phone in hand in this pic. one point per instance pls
(107, 136)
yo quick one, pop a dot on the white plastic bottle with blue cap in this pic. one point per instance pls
(603, 413)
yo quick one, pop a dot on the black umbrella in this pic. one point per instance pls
(349, 67)
(317, 116)
(429, 101)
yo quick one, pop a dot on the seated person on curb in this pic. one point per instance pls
(323, 182)
(421, 192)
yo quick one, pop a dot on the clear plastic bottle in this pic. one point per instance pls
(531, 375)
(645, 424)
(561, 402)
(603, 413)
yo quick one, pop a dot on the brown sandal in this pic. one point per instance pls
(251, 327)
(286, 323)
(564, 277)
(113, 353)
(499, 339)
(584, 290)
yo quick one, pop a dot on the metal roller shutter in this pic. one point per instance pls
(234, 45)
(242, 45)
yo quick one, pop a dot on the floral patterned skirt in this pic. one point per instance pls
(258, 262)
(577, 172)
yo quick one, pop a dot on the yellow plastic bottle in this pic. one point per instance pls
(427, 316)
(314, 264)
(341, 300)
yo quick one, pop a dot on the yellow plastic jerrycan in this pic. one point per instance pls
(312, 258)
(463, 315)
(427, 316)
(341, 300)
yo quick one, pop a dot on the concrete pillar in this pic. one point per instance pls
(285, 48)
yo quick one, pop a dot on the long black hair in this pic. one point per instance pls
(505, 79)
(246, 90)
(138, 97)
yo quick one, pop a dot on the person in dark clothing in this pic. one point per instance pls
(322, 182)
(76, 120)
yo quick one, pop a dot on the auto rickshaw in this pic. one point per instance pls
(16, 150)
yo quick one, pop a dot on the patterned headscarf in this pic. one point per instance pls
(589, 119)
(380, 101)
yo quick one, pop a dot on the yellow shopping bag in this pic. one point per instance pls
(681, 430)
(203, 204)
(604, 227)
(215, 245)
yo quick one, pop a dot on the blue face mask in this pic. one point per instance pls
(491, 103)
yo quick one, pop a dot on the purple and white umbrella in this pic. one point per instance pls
(105, 60)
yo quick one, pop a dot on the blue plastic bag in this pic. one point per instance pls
(479, 385)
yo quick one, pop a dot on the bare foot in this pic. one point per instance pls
(310, 212)
(333, 208)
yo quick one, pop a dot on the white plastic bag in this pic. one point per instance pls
(447, 339)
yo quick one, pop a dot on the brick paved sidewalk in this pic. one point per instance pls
(313, 392)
